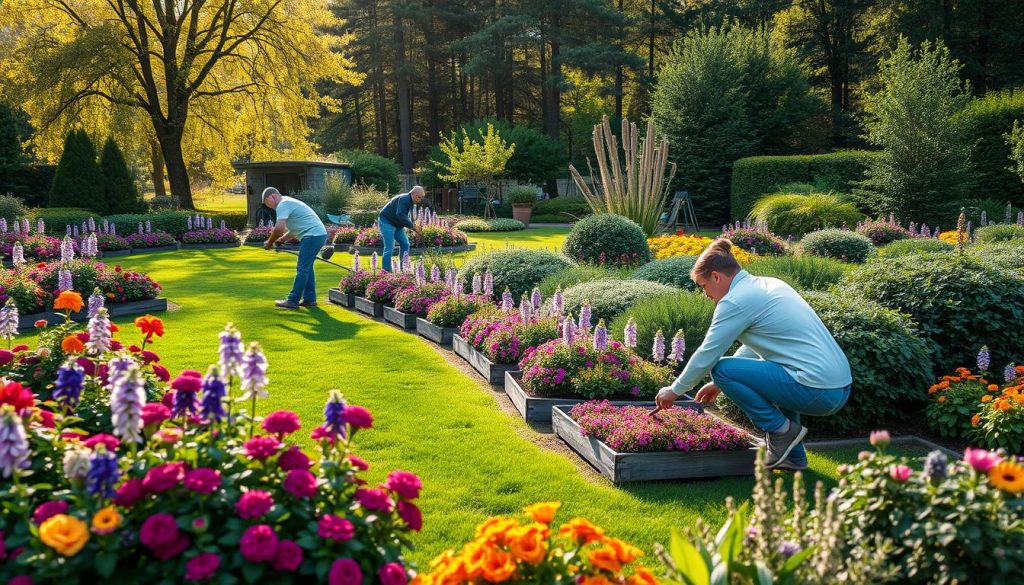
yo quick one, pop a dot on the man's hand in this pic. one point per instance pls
(708, 393)
(664, 399)
(268, 245)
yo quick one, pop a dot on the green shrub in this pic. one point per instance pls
(608, 298)
(56, 219)
(367, 199)
(998, 233)
(673, 271)
(687, 310)
(521, 196)
(881, 232)
(891, 365)
(172, 222)
(78, 181)
(756, 176)
(363, 218)
(913, 246)
(800, 272)
(959, 303)
(372, 170)
(337, 193)
(951, 418)
(835, 243)
(234, 220)
(607, 239)
(536, 159)
(796, 214)
(574, 275)
(560, 210)
(1008, 254)
(756, 239)
(994, 211)
(12, 208)
(500, 224)
(519, 270)
(990, 117)
(121, 195)
(163, 203)
(314, 198)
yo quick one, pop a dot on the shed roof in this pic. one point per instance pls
(241, 166)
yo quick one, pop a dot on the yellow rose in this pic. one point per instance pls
(106, 520)
(64, 534)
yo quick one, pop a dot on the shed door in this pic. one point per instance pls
(287, 183)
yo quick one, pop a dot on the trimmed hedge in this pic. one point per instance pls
(568, 277)
(913, 246)
(990, 117)
(839, 244)
(560, 210)
(607, 239)
(58, 218)
(609, 298)
(755, 176)
(801, 272)
(519, 270)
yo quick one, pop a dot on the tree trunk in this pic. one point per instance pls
(157, 168)
(177, 171)
(402, 88)
(360, 137)
(650, 48)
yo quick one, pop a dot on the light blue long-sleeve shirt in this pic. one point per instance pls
(773, 323)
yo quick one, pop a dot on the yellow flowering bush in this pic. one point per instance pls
(688, 245)
(533, 551)
(952, 237)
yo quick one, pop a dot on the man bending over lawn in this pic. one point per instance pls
(296, 218)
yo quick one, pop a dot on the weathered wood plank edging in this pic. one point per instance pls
(347, 300)
(406, 321)
(368, 307)
(492, 372)
(436, 333)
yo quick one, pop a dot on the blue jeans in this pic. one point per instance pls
(769, 395)
(391, 233)
(304, 286)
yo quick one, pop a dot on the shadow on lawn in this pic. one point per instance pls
(320, 325)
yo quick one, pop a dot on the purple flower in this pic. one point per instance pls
(630, 334)
(99, 333)
(477, 283)
(103, 473)
(355, 261)
(557, 302)
(788, 549)
(421, 273)
(254, 372)
(435, 273)
(1010, 373)
(525, 309)
(214, 390)
(9, 320)
(536, 298)
(373, 262)
(507, 303)
(658, 350)
(600, 336)
(935, 466)
(678, 347)
(585, 314)
(64, 280)
(984, 359)
(127, 398)
(14, 448)
(489, 284)
(231, 351)
(334, 413)
(67, 389)
(18, 254)
(95, 302)
(568, 331)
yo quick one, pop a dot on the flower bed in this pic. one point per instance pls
(384, 285)
(112, 243)
(35, 247)
(417, 300)
(150, 240)
(974, 409)
(33, 288)
(445, 316)
(685, 245)
(755, 238)
(223, 236)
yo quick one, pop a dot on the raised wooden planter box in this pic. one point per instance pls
(492, 372)
(538, 409)
(403, 320)
(115, 253)
(347, 300)
(114, 309)
(209, 246)
(368, 307)
(155, 249)
(624, 467)
(435, 333)
(368, 250)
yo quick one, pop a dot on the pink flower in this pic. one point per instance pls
(164, 477)
(981, 460)
(335, 528)
(160, 534)
(48, 509)
(254, 503)
(161, 373)
(288, 556)
(392, 574)
(155, 413)
(406, 484)
(322, 433)
(358, 462)
(281, 423)
(188, 381)
(109, 441)
(261, 447)
(373, 499)
(202, 567)
(259, 543)
(130, 493)
(358, 417)
(169, 436)
(203, 480)
(900, 473)
(411, 515)
(880, 439)
(345, 572)
(293, 458)
(300, 483)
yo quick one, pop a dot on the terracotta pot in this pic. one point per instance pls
(522, 212)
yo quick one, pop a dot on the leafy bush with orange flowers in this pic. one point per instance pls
(968, 406)
(510, 550)
(954, 400)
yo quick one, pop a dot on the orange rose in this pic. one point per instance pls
(494, 529)
(1001, 404)
(64, 534)
(642, 577)
(498, 566)
(944, 384)
(529, 543)
(543, 512)
(625, 552)
(581, 529)
(975, 420)
(72, 344)
(933, 389)
(605, 559)
(473, 557)
(68, 300)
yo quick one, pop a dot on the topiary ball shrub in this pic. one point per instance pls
(882, 232)
(801, 272)
(607, 239)
(891, 364)
(519, 270)
(609, 298)
(998, 233)
(839, 244)
(913, 246)
(673, 271)
(568, 277)
(959, 302)
(687, 310)
(12, 208)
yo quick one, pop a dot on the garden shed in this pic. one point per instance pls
(288, 176)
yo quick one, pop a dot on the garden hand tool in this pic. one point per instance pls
(324, 255)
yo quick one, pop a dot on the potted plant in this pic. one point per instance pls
(522, 200)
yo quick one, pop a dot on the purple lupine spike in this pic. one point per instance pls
(106, 226)
(373, 262)
(103, 473)
(209, 223)
(95, 302)
(585, 314)
(9, 320)
(92, 224)
(568, 331)
(74, 231)
(17, 227)
(600, 336)
(406, 265)
(507, 303)
(489, 284)
(1010, 372)
(460, 285)
(536, 298)
(1020, 218)
(40, 226)
(421, 273)
(67, 250)
(450, 278)
(435, 273)
(99, 341)
(230, 352)
(142, 228)
(14, 447)
(127, 397)
(355, 261)
(113, 229)
(149, 227)
(3, 225)
(912, 229)
(557, 302)
(984, 217)
(24, 225)
(64, 280)
(658, 348)
(254, 372)
(629, 334)
(334, 413)
(984, 359)
(67, 390)
(970, 229)
(18, 254)
(525, 308)
(892, 218)
(925, 232)
(678, 347)
(188, 221)
(477, 283)
(223, 225)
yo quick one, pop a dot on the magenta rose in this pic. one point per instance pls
(254, 503)
(358, 462)
(160, 534)
(411, 515)
(281, 422)
(288, 556)
(407, 485)
(188, 381)
(260, 448)
(392, 574)
(358, 417)
(373, 499)
(203, 480)
(164, 477)
(130, 493)
(109, 441)
(293, 458)
(47, 509)
(335, 528)
(161, 373)
(155, 413)
(300, 483)
(202, 567)
(345, 572)
(259, 543)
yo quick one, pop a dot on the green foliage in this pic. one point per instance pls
(992, 118)
(56, 219)
(521, 196)
(477, 158)
(372, 170)
(451, 311)
(673, 271)
(13, 160)
(913, 246)
(951, 418)
(797, 214)
(891, 365)
(959, 303)
(78, 181)
(726, 93)
(574, 275)
(12, 208)
(756, 176)
(363, 218)
(172, 222)
(800, 272)
(367, 199)
(1015, 139)
(560, 210)
(881, 232)
(998, 233)
(840, 244)
(337, 193)
(689, 311)
(607, 239)
(121, 194)
(490, 225)
(519, 270)
(924, 170)
(536, 159)
(995, 211)
(609, 298)
(314, 198)
(1008, 254)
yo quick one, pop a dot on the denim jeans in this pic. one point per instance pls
(304, 286)
(390, 233)
(769, 395)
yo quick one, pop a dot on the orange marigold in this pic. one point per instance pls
(1001, 404)
(72, 344)
(942, 398)
(494, 529)
(581, 529)
(625, 552)
(986, 398)
(499, 566)
(595, 580)
(605, 559)
(529, 543)
(975, 420)
(68, 300)
(992, 387)
(543, 512)
(150, 326)
(642, 577)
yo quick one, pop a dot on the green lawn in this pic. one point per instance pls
(474, 458)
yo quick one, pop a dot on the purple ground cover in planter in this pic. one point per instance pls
(492, 372)
(336, 296)
(209, 245)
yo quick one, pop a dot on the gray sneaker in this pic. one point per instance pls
(788, 464)
(309, 304)
(782, 442)
(286, 304)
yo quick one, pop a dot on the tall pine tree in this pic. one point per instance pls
(121, 194)
(12, 158)
(78, 181)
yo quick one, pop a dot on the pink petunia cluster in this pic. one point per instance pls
(632, 429)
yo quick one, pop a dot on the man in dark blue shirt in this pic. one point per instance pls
(393, 219)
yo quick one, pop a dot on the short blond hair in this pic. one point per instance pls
(717, 257)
